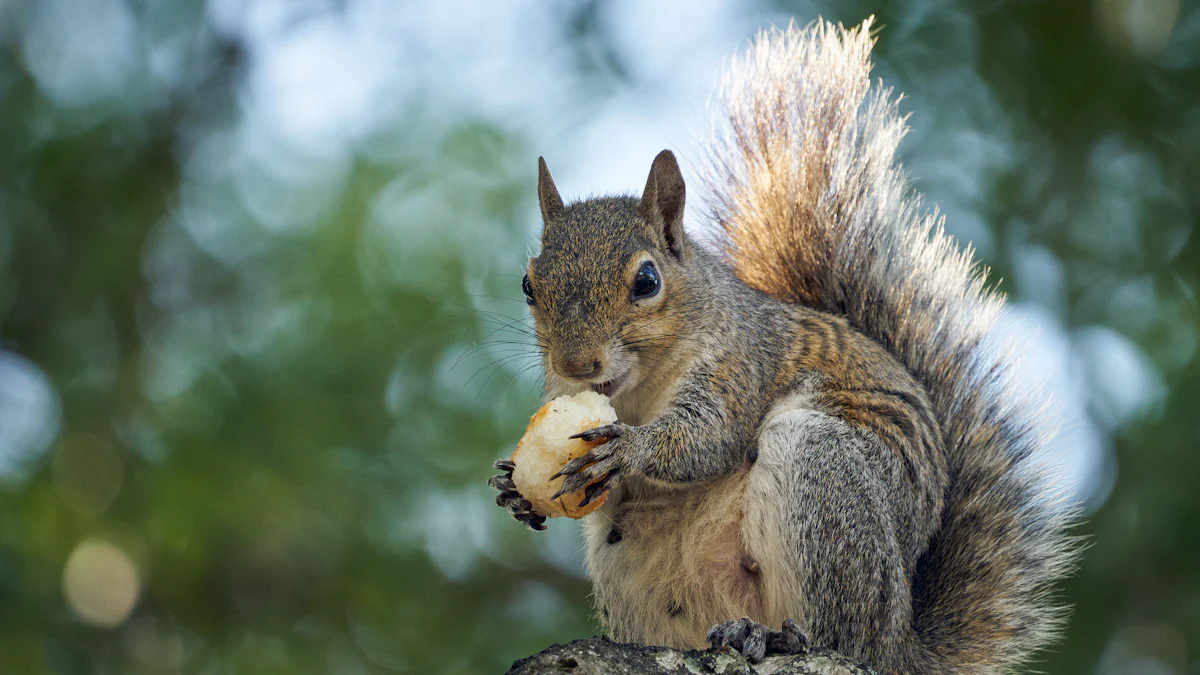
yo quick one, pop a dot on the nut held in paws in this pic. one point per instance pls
(547, 445)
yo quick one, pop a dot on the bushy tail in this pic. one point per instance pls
(813, 208)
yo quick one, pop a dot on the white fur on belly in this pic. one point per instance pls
(679, 569)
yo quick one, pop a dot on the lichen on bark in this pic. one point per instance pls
(601, 656)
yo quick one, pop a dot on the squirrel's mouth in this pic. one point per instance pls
(605, 388)
(611, 387)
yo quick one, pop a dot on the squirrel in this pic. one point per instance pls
(816, 442)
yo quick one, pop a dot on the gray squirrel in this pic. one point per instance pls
(816, 443)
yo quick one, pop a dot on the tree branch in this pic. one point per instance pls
(601, 656)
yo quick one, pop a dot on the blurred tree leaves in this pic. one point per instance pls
(304, 358)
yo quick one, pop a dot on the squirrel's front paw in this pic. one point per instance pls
(509, 498)
(601, 467)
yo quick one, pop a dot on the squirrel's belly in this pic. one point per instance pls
(668, 565)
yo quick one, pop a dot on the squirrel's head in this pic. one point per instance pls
(608, 288)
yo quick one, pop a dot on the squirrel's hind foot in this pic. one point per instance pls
(755, 640)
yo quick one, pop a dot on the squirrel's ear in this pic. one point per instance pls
(662, 200)
(551, 202)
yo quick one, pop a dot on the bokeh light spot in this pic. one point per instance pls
(100, 583)
(81, 51)
(29, 414)
(1139, 26)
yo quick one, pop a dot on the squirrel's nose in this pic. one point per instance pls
(579, 367)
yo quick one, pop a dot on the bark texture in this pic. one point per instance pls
(601, 656)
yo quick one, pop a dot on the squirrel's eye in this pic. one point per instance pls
(527, 289)
(647, 282)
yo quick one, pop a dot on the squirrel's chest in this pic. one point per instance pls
(668, 565)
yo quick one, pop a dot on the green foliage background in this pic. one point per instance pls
(266, 383)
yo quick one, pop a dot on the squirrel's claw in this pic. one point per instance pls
(788, 640)
(754, 640)
(510, 498)
(532, 520)
(608, 431)
(502, 482)
(596, 489)
(574, 466)
(606, 465)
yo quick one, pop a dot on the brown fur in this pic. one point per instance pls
(811, 428)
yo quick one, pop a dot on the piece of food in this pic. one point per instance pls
(547, 446)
